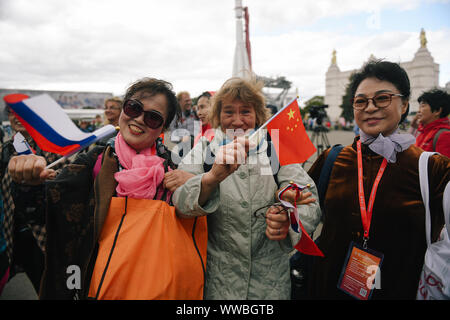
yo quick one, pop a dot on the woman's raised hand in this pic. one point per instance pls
(304, 197)
(229, 158)
(29, 169)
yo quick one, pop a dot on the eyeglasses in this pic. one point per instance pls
(260, 214)
(134, 108)
(381, 100)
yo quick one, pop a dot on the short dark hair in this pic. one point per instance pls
(385, 71)
(205, 94)
(437, 99)
(154, 86)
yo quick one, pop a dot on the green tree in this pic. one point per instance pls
(346, 106)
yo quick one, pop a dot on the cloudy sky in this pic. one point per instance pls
(104, 45)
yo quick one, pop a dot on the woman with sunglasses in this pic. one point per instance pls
(80, 196)
(248, 252)
(373, 208)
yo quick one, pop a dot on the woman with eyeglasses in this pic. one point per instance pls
(373, 213)
(131, 166)
(249, 239)
(113, 108)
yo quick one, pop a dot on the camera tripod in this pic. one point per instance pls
(320, 139)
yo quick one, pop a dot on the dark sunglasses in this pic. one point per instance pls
(134, 108)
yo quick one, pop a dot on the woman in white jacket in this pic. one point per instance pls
(247, 254)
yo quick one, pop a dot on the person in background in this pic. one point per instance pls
(248, 254)
(113, 108)
(183, 129)
(375, 181)
(98, 122)
(273, 109)
(433, 132)
(24, 223)
(204, 109)
(85, 125)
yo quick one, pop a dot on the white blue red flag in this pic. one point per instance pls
(305, 245)
(50, 127)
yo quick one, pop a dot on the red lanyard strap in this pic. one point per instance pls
(366, 214)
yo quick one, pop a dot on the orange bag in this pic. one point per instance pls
(147, 252)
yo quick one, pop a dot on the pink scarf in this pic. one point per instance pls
(142, 173)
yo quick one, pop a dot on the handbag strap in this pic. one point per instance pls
(423, 179)
(325, 173)
(436, 137)
(446, 206)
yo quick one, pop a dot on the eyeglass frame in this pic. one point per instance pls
(352, 100)
(141, 105)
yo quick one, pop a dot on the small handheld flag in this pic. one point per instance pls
(288, 135)
(306, 245)
(50, 127)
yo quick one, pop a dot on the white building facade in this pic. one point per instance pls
(423, 74)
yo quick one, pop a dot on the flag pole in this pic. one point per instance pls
(271, 118)
(54, 163)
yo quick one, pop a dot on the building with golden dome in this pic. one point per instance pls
(423, 73)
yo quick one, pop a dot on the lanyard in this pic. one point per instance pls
(366, 214)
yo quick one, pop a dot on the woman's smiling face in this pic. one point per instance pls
(237, 115)
(373, 120)
(134, 130)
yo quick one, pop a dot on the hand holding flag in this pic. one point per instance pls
(306, 245)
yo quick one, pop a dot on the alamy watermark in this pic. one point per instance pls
(258, 153)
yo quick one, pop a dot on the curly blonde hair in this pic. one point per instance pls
(248, 91)
(117, 100)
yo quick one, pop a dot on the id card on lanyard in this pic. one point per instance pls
(362, 265)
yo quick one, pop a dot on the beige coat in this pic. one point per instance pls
(242, 262)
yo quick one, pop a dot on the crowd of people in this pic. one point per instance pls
(213, 202)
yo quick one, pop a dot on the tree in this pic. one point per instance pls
(346, 106)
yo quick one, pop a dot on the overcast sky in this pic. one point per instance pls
(104, 45)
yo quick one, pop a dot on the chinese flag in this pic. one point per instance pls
(306, 245)
(292, 143)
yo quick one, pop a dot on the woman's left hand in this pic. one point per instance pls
(304, 197)
(176, 178)
(277, 222)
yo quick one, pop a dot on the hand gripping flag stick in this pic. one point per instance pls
(305, 245)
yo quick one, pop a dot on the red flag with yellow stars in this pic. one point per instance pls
(292, 144)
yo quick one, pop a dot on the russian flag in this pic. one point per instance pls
(50, 127)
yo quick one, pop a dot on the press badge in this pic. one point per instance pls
(361, 272)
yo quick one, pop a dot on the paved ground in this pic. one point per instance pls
(332, 137)
(20, 287)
